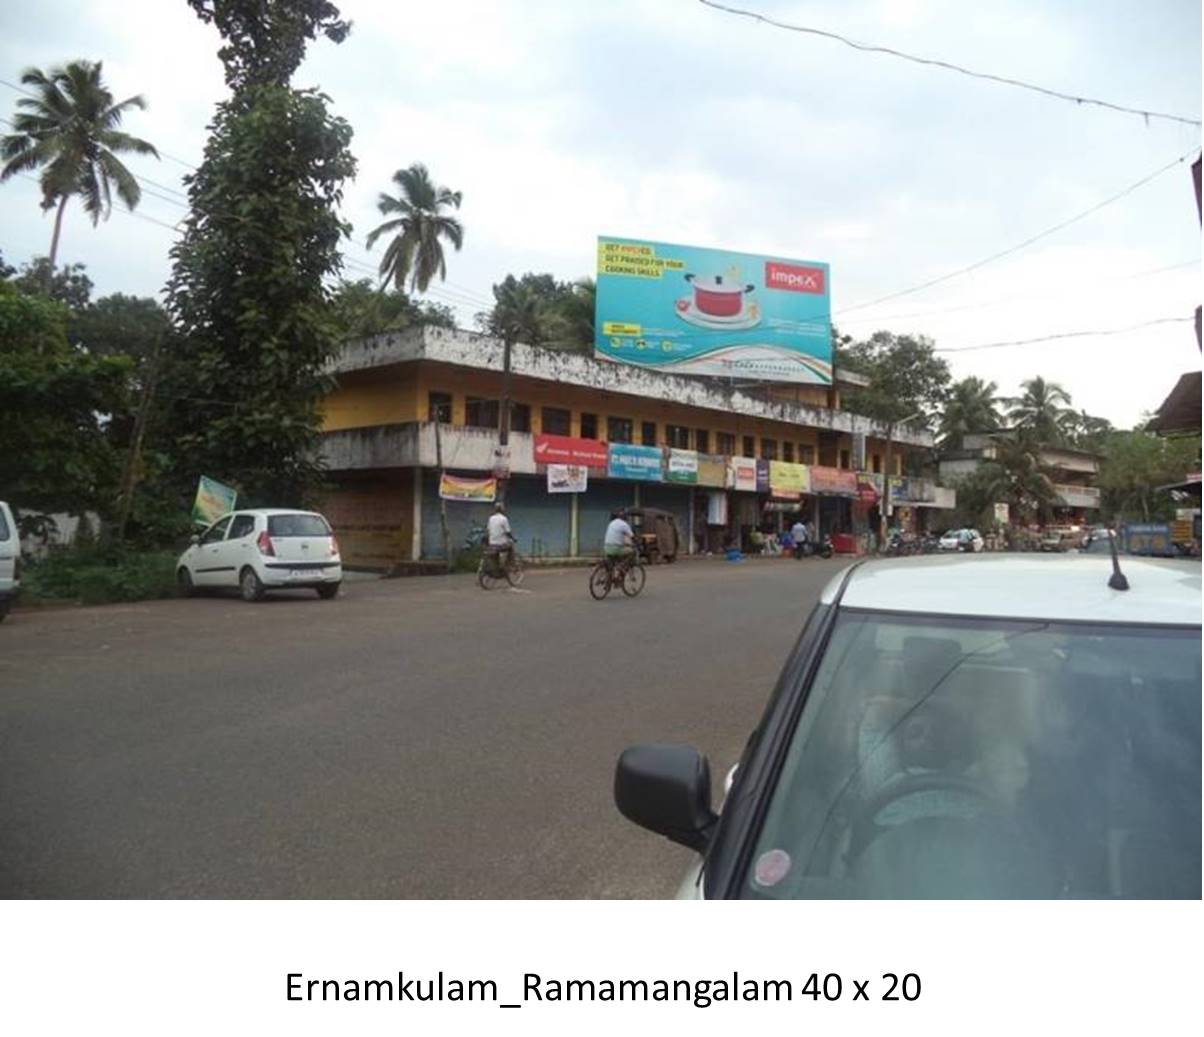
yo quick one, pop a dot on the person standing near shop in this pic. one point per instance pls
(799, 532)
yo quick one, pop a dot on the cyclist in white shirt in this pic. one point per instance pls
(619, 541)
(499, 537)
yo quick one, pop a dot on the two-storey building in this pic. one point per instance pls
(742, 456)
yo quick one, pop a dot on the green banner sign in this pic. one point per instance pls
(213, 500)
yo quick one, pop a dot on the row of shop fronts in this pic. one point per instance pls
(561, 492)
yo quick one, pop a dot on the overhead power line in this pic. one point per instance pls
(1064, 335)
(1014, 298)
(1023, 244)
(949, 66)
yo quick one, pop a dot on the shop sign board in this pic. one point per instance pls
(683, 466)
(701, 311)
(455, 487)
(712, 470)
(568, 478)
(628, 461)
(742, 474)
(551, 449)
(762, 475)
(869, 488)
(213, 500)
(787, 480)
(840, 482)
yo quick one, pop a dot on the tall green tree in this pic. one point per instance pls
(54, 400)
(419, 224)
(248, 290)
(971, 406)
(906, 377)
(1135, 464)
(1086, 432)
(1041, 409)
(541, 311)
(71, 131)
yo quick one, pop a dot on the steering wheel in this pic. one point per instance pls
(865, 828)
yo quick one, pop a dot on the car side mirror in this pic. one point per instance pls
(194, 539)
(667, 789)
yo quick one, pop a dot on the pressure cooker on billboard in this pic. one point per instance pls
(699, 311)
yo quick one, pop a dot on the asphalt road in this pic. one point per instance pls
(414, 738)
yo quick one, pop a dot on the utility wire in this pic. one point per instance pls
(1005, 80)
(1023, 244)
(1013, 298)
(1065, 334)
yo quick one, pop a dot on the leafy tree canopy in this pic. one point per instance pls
(66, 284)
(265, 40)
(906, 377)
(539, 310)
(52, 399)
(361, 309)
(1135, 464)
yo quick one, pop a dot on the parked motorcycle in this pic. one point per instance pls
(810, 549)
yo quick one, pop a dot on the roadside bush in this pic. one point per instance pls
(466, 559)
(93, 575)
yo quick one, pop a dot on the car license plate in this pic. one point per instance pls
(297, 574)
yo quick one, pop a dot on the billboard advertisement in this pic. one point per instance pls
(213, 500)
(700, 311)
(551, 449)
(455, 487)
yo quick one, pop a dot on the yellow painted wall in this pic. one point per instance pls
(400, 394)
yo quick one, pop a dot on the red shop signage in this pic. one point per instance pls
(569, 450)
(833, 480)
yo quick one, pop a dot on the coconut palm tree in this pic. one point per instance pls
(419, 227)
(971, 406)
(70, 130)
(1027, 488)
(1040, 410)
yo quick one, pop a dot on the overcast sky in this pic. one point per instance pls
(665, 119)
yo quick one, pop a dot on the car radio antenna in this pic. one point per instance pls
(1117, 580)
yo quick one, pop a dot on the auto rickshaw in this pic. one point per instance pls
(656, 534)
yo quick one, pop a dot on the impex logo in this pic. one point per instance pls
(792, 278)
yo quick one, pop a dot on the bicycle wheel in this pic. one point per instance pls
(485, 576)
(599, 581)
(514, 570)
(633, 580)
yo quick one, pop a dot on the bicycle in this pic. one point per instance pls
(491, 574)
(626, 573)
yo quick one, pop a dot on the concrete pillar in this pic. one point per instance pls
(637, 495)
(416, 544)
(574, 547)
(690, 532)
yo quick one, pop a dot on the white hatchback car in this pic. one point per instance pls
(1007, 726)
(264, 549)
(10, 560)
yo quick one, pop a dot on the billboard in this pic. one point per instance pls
(213, 500)
(628, 461)
(700, 311)
(455, 487)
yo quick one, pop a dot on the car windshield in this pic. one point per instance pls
(297, 526)
(961, 758)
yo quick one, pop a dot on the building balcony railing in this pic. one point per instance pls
(1077, 496)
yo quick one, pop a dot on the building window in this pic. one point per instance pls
(876, 462)
(750, 447)
(787, 451)
(618, 430)
(806, 453)
(589, 426)
(725, 443)
(440, 407)
(555, 421)
(677, 436)
(844, 459)
(702, 441)
(648, 433)
(520, 417)
(769, 449)
(479, 413)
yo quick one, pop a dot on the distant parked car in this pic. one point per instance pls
(10, 560)
(261, 550)
(961, 540)
(1098, 541)
(1060, 538)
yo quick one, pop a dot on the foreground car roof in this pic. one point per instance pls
(1008, 586)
